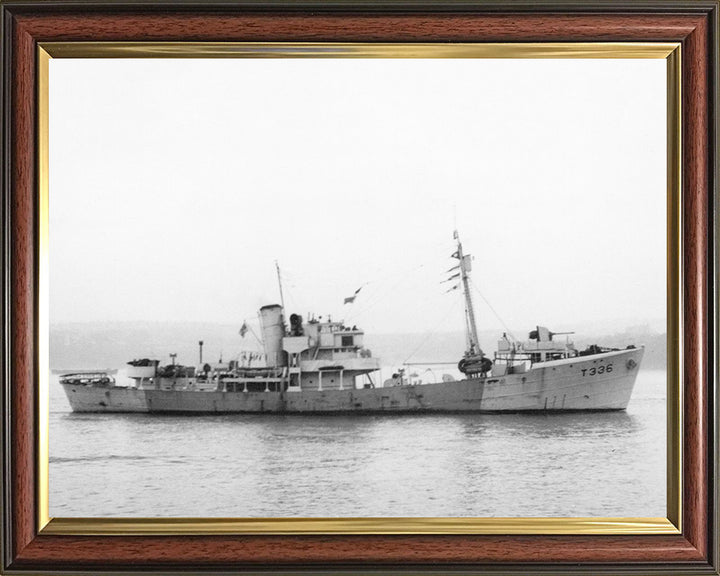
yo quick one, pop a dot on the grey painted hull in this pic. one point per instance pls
(105, 399)
(599, 382)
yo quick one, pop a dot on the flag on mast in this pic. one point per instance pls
(351, 299)
(243, 329)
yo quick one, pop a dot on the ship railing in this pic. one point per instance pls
(535, 357)
(348, 363)
(510, 357)
(236, 380)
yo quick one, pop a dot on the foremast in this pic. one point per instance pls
(474, 360)
(465, 266)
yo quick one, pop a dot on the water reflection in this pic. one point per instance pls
(551, 425)
(584, 464)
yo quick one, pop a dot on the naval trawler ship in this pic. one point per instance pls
(318, 367)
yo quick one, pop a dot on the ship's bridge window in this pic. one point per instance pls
(347, 341)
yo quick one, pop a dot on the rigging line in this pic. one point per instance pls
(493, 310)
(432, 332)
(255, 335)
(288, 288)
(373, 300)
(288, 279)
(380, 278)
(288, 282)
(291, 297)
(370, 300)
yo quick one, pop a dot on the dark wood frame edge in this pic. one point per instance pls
(5, 59)
(23, 551)
(366, 6)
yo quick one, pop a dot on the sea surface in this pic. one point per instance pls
(475, 465)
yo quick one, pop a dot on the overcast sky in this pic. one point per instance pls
(176, 184)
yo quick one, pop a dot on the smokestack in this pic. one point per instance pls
(273, 329)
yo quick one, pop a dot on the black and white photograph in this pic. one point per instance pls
(358, 287)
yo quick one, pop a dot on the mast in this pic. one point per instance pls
(465, 267)
(282, 300)
(286, 372)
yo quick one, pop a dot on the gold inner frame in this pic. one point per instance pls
(671, 52)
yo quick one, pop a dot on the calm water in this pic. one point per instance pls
(594, 464)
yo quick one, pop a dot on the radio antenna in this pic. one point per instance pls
(282, 299)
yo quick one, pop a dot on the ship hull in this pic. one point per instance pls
(599, 382)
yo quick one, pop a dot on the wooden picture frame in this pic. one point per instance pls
(30, 545)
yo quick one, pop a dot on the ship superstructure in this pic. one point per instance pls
(311, 355)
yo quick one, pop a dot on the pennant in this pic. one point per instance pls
(453, 277)
(351, 299)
